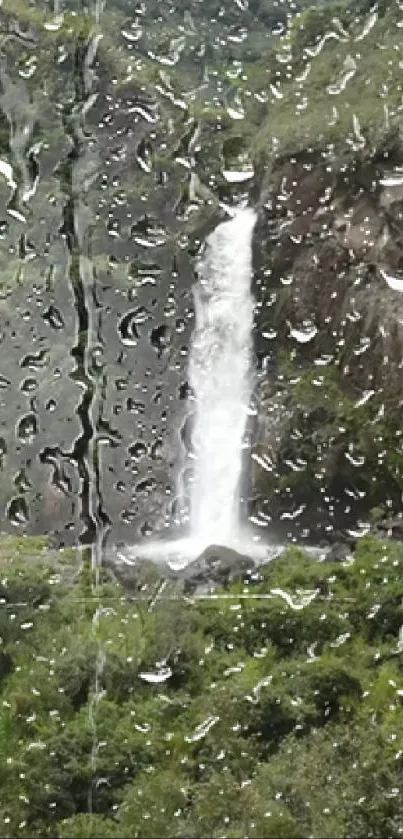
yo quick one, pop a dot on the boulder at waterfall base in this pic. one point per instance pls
(216, 566)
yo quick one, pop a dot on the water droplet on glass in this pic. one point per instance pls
(146, 487)
(53, 317)
(21, 481)
(305, 333)
(35, 361)
(144, 155)
(127, 328)
(180, 325)
(135, 407)
(202, 730)
(28, 385)
(138, 450)
(148, 233)
(27, 428)
(3, 450)
(157, 676)
(156, 450)
(394, 281)
(160, 338)
(17, 511)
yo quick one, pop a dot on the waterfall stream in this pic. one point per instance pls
(221, 378)
(221, 381)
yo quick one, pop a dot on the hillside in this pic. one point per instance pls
(273, 710)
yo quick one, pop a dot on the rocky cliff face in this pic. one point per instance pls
(117, 153)
(329, 282)
(96, 250)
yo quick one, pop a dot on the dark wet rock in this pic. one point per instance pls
(328, 279)
(272, 426)
(391, 528)
(339, 552)
(217, 566)
(136, 576)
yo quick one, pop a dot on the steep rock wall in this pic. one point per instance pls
(329, 283)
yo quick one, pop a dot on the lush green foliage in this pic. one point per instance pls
(334, 95)
(280, 713)
(333, 423)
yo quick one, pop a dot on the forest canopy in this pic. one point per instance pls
(272, 709)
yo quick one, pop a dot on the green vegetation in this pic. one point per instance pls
(279, 714)
(312, 67)
(337, 76)
(338, 433)
(331, 71)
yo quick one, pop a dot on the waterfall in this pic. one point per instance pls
(221, 379)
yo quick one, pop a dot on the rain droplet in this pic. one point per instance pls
(160, 338)
(232, 176)
(17, 511)
(146, 487)
(27, 428)
(148, 233)
(145, 273)
(121, 384)
(21, 481)
(156, 450)
(128, 516)
(135, 407)
(202, 730)
(355, 461)
(144, 155)
(305, 333)
(394, 282)
(3, 449)
(53, 317)
(184, 390)
(138, 450)
(28, 385)
(160, 675)
(127, 329)
(35, 361)
(180, 325)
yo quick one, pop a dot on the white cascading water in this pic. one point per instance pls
(221, 378)
(220, 375)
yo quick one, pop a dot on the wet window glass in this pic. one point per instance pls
(201, 439)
